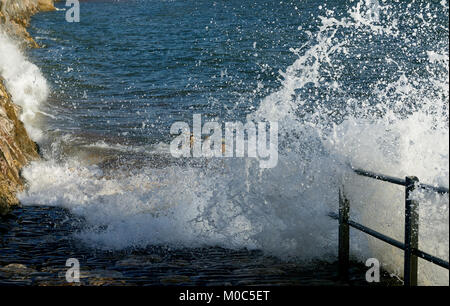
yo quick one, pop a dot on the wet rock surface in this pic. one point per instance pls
(16, 150)
(36, 242)
(16, 146)
(15, 17)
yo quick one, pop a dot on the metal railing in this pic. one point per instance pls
(411, 243)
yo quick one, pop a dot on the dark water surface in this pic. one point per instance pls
(35, 243)
(132, 68)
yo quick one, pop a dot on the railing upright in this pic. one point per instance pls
(411, 242)
(411, 232)
(344, 236)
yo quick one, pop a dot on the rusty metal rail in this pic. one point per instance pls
(411, 243)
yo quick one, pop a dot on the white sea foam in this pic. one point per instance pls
(24, 82)
(283, 211)
(404, 133)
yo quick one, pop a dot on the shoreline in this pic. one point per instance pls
(17, 148)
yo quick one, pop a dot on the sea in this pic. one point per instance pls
(349, 84)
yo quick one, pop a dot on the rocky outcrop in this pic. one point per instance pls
(15, 16)
(16, 150)
(46, 5)
(16, 147)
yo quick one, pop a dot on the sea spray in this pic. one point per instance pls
(400, 128)
(345, 101)
(25, 83)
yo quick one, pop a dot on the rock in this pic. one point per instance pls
(102, 277)
(17, 269)
(175, 279)
(15, 16)
(101, 274)
(16, 147)
(46, 5)
(16, 150)
(105, 282)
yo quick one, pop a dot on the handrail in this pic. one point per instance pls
(398, 181)
(411, 244)
(393, 242)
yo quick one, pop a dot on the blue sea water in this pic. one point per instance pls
(132, 68)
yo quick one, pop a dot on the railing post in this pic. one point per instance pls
(344, 236)
(411, 232)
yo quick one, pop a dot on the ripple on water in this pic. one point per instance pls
(37, 240)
